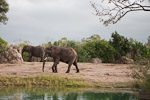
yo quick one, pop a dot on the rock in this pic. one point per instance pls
(126, 60)
(11, 55)
(95, 60)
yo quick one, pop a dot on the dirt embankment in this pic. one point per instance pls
(104, 73)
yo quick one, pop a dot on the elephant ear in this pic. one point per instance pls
(48, 51)
(53, 51)
(28, 48)
(56, 50)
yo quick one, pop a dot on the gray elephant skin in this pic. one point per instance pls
(64, 54)
(36, 51)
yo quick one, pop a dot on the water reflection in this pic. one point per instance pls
(63, 94)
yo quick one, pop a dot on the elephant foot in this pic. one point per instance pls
(55, 72)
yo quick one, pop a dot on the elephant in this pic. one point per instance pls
(36, 51)
(64, 54)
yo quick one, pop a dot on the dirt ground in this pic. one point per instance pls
(104, 72)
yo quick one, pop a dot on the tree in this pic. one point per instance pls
(3, 45)
(62, 42)
(21, 45)
(148, 41)
(116, 9)
(100, 49)
(3, 10)
(121, 45)
(45, 45)
(94, 37)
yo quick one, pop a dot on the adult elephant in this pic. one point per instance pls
(36, 51)
(65, 54)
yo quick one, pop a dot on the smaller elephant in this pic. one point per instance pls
(36, 51)
(65, 54)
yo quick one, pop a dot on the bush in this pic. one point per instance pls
(83, 55)
(138, 51)
(142, 75)
(100, 49)
(25, 54)
(3, 45)
(121, 44)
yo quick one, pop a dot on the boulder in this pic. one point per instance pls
(95, 60)
(11, 55)
(126, 60)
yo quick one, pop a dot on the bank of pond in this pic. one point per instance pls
(51, 93)
(61, 88)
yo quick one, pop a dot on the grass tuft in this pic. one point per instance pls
(41, 80)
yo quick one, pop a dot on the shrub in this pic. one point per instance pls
(121, 44)
(138, 51)
(142, 75)
(100, 49)
(3, 45)
(83, 55)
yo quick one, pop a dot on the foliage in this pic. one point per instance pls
(21, 45)
(100, 49)
(138, 50)
(108, 51)
(111, 11)
(94, 37)
(91, 48)
(83, 55)
(25, 54)
(47, 44)
(148, 41)
(3, 10)
(121, 45)
(62, 42)
(142, 74)
(41, 80)
(3, 45)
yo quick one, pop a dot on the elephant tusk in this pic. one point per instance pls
(45, 58)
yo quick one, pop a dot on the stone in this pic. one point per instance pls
(11, 55)
(95, 60)
(126, 60)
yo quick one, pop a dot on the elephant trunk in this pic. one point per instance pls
(22, 52)
(45, 58)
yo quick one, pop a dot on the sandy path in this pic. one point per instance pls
(104, 72)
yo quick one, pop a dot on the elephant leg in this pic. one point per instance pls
(30, 57)
(69, 65)
(75, 63)
(54, 67)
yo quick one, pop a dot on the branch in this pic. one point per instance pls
(118, 9)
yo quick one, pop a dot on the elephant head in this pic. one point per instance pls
(48, 52)
(26, 49)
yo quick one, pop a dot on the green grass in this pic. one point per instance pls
(55, 81)
(41, 80)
